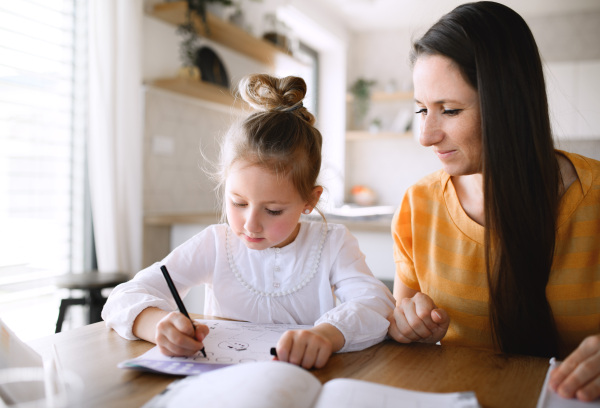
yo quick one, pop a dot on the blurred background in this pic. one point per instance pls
(110, 111)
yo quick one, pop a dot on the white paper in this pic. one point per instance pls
(550, 399)
(274, 384)
(227, 343)
(350, 393)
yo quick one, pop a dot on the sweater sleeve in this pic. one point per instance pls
(190, 264)
(364, 301)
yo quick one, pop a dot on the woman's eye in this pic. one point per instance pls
(452, 112)
(421, 111)
(273, 212)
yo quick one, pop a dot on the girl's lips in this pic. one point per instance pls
(250, 239)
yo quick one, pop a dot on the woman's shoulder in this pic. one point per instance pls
(430, 183)
(587, 169)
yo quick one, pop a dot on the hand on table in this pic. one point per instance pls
(175, 335)
(579, 375)
(417, 319)
(309, 348)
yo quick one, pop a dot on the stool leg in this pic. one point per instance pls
(96, 303)
(61, 315)
(62, 310)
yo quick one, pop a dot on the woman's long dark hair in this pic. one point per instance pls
(498, 56)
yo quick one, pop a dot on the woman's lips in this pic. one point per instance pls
(444, 154)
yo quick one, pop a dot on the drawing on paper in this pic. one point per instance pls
(227, 343)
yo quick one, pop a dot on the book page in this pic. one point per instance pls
(252, 385)
(349, 393)
(550, 399)
(227, 343)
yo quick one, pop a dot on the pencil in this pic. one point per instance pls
(177, 298)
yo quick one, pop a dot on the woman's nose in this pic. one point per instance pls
(430, 131)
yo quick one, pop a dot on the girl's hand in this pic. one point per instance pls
(175, 335)
(310, 348)
(579, 375)
(417, 319)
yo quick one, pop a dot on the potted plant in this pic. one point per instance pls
(361, 92)
(187, 30)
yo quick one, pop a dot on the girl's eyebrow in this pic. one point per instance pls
(262, 202)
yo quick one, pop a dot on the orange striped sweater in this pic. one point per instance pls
(439, 251)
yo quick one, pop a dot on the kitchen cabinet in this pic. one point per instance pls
(221, 32)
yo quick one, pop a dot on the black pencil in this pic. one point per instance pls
(177, 298)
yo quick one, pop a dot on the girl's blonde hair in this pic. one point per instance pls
(279, 136)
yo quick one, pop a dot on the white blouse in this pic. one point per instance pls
(292, 284)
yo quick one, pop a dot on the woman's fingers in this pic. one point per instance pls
(418, 319)
(579, 375)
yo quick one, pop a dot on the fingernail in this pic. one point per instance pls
(438, 314)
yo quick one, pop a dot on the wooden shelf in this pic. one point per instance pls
(223, 33)
(386, 96)
(366, 135)
(199, 89)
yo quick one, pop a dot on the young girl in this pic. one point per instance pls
(264, 265)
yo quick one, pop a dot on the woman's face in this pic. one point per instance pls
(450, 116)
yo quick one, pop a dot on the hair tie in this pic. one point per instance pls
(292, 108)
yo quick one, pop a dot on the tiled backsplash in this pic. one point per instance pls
(180, 134)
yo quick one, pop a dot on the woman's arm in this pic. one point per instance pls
(416, 318)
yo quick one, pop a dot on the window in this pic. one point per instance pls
(42, 155)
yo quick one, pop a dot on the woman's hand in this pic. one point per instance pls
(417, 319)
(310, 348)
(176, 336)
(579, 375)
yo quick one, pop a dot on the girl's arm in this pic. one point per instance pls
(416, 318)
(365, 302)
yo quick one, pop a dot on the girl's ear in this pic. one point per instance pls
(315, 195)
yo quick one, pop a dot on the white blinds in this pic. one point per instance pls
(42, 137)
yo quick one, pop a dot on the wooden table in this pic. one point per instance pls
(94, 351)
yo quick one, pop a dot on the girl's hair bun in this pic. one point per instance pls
(266, 93)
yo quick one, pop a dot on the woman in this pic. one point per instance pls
(501, 248)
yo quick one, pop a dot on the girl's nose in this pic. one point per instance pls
(430, 133)
(253, 223)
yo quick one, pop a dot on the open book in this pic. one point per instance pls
(276, 384)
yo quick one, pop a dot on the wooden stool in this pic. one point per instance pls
(92, 283)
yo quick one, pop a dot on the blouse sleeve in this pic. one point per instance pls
(190, 264)
(365, 301)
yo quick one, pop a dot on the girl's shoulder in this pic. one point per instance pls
(328, 230)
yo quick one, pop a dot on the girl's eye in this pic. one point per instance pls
(452, 112)
(272, 212)
(238, 204)
(421, 111)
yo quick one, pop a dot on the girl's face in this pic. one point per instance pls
(262, 209)
(450, 114)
